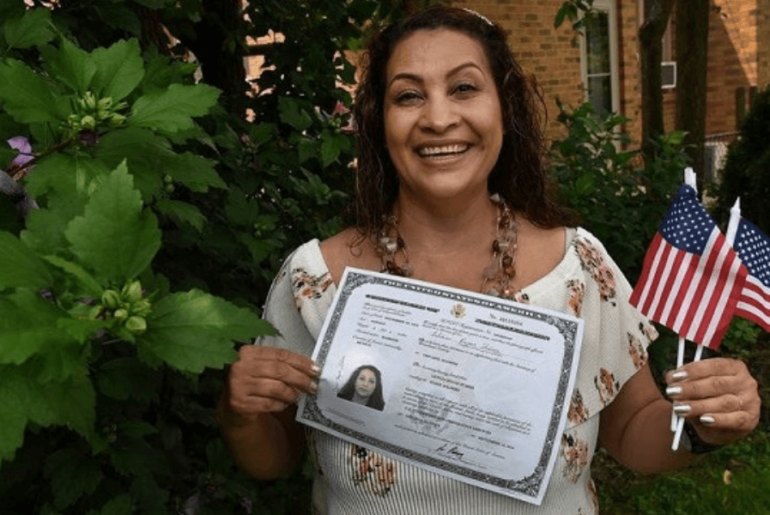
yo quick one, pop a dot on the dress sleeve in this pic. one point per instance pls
(616, 333)
(298, 300)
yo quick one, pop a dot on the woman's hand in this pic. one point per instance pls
(718, 396)
(264, 380)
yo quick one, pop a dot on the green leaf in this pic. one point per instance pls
(73, 66)
(182, 213)
(147, 155)
(172, 110)
(330, 148)
(127, 378)
(90, 285)
(119, 70)
(114, 237)
(29, 323)
(13, 410)
(25, 95)
(194, 330)
(19, 266)
(73, 475)
(195, 172)
(32, 29)
(121, 505)
(154, 4)
(66, 176)
(45, 227)
(291, 112)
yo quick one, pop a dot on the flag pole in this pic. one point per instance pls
(732, 230)
(690, 180)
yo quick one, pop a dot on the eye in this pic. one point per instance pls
(407, 97)
(464, 88)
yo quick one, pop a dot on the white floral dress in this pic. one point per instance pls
(351, 479)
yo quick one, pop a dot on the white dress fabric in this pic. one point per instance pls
(353, 480)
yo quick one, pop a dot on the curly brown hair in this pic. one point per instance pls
(519, 175)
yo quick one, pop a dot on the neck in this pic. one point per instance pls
(359, 399)
(443, 227)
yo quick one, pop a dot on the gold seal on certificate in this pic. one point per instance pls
(466, 385)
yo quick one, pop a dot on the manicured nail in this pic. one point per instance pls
(707, 420)
(316, 369)
(681, 409)
(313, 386)
(672, 391)
(679, 375)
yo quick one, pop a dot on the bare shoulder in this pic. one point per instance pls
(347, 248)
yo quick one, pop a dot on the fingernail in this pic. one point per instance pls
(313, 386)
(679, 375)
(316, 369)
(681, 409)
(707, 420)
(673, 390)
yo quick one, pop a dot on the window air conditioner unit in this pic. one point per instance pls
(668, 72)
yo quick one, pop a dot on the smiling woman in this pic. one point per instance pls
(451, 189)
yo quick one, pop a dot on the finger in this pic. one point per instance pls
(277, 364)
(707, 368)
(262, 395)
(292, 359)
(723, 428)
(708, 387)
(716, 405)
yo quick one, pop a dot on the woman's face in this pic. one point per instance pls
(443, 121)
(366, 383)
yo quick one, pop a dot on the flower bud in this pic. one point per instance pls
(95, 311)
(141, 308)
(117, 120)
(136, 325)
(111, 299)
(121, 314)
(169, 188)
(90, 101)
(168, 179)
(88, 122)
(105, 103)
(132, 292)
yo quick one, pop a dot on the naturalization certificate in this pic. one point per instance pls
(469, 386)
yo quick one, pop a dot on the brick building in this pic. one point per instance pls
(605, 68)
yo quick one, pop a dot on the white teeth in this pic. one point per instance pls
(435, 151)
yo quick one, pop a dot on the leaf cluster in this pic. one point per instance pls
(620, 201)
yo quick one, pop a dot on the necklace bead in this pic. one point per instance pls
(498, 275)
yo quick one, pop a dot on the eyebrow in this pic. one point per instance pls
(419, 79)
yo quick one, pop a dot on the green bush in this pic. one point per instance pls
(746, 173)
(157, 201)
(622, 204)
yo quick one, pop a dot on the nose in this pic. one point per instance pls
(438, 115)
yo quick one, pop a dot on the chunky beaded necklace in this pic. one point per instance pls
(497, 277)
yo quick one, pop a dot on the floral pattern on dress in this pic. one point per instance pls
(578, 412)
(575, 453)
(637, 351)
(592, 260)
(577, 290)
(308, 287)
(372, 471)
(607, 385)
(593, 494)
(648, 330)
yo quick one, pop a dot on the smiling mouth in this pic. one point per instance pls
(445, 151)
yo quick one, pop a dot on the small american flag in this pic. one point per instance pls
(692, 278)
(753, 247)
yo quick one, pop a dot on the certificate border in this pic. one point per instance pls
(529, 486)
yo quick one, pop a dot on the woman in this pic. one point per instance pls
(450, 169)
(364, 387)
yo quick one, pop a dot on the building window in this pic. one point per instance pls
(599, 60)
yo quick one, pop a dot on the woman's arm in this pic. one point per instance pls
(256, 410)
(635, 427)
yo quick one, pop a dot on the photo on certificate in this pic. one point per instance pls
(466, 385)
